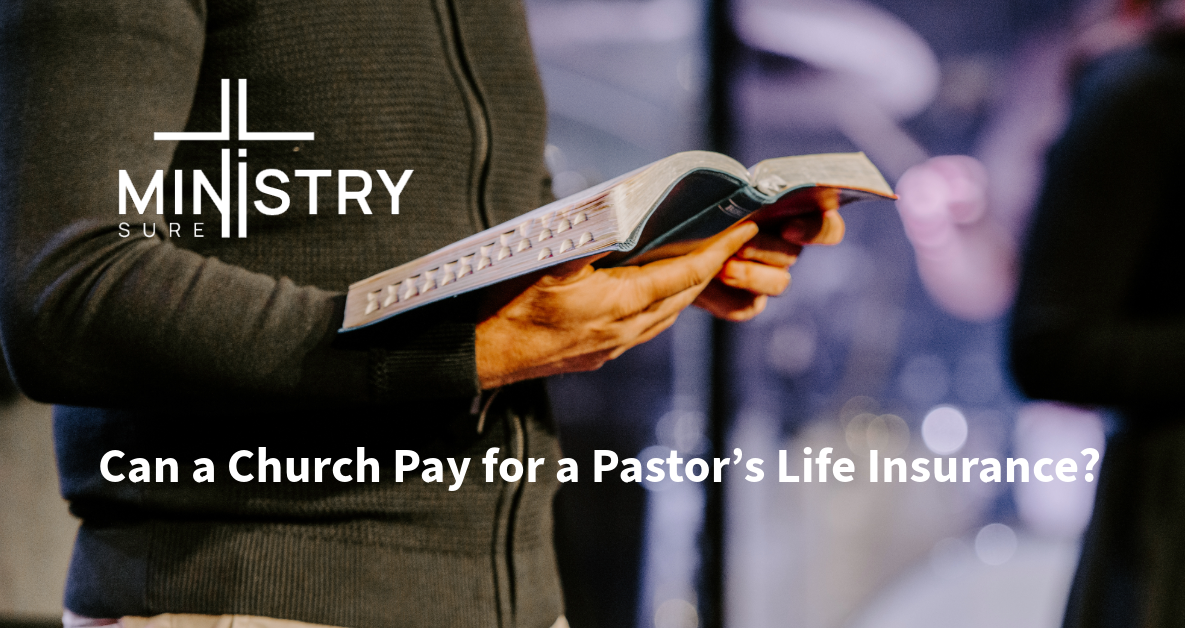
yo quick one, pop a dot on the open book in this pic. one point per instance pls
(656, 211)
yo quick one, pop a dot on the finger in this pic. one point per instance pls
(662, 309)
(659, 280)
(501, 294)
(802, 229)
(731, 304)
(770, 249)
(754, 277)
(656, 329)
(828, 199)
(636, 327)
(832, 229)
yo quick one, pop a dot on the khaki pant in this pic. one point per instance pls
(173, 620)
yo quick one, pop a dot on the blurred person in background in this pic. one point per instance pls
(964, 215)
(1098, 319)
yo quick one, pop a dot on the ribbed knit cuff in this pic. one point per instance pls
(440, 364)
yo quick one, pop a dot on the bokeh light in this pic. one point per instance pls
(995, 544)
(676, 613)
(944, 430)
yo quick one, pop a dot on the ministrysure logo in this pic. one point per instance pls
(201, 185)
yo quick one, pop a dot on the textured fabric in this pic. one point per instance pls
(186, 347)
(211, 621)
(1099, 321)
(170, 620)
(375, 86)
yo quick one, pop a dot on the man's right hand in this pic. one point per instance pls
(576, 317)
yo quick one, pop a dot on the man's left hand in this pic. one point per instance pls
(760, 269)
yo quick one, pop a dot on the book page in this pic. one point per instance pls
(841, 170)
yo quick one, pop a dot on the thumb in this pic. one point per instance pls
(833, 228)
(719, 248)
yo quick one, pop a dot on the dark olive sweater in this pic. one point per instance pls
(197, 347)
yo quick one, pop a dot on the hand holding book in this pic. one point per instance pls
(577, 317)
(760, 269)
(661, 210)
(575, 283)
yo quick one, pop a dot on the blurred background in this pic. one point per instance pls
(862, 347)
(859, 352)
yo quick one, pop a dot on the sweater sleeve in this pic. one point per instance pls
(1099, 314)
(90, 318)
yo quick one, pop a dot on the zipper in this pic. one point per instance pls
(504, 523)
(473, 99)
(504, 569)
(518, 444)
